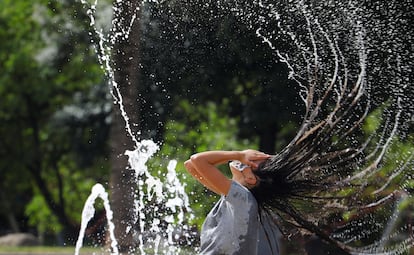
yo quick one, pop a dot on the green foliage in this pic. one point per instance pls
(77, 187)
(202, 127)
(46, 61)
(373, 121)
(213, 58)
(392, 173)
(41, 216)
(398, 156)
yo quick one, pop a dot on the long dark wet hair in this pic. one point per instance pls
(332, 179)
(326, 170)
(324, 173)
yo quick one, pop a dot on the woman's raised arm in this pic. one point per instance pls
(203, 166)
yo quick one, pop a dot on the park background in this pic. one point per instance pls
(195, 84)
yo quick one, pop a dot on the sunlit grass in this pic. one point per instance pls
(45, 250)
(55, 250)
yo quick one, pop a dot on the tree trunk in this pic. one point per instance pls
(9, 212)
(126, 71)
(36, 168)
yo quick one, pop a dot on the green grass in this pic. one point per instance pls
(45, 250)
(54, 250)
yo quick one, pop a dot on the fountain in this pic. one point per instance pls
(335, 53)
(88, 211)
(170, 193)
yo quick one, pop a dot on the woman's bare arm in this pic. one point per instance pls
(203, 167)
(191, 169)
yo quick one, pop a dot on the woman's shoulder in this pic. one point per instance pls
(236, 187)
(238, 194)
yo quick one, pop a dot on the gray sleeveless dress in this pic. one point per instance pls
(233, 227)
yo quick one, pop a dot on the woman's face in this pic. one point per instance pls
(250, 179)
(246, 177)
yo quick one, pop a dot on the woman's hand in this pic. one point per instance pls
(253, 157)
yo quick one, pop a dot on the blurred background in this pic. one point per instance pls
(214, 87)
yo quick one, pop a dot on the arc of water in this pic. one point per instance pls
(89, 211)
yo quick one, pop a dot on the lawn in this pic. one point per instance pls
(54, 250)
(49, 250)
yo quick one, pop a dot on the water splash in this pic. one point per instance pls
(332, 60)
(342, 55)
(171, 202)
(168, 217)
(170, 199)
(98, 191)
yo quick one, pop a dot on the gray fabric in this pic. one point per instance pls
(233, 227)
(269, 235)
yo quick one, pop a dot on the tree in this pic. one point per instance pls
(205, 53)
(44, 63)
(126, 76)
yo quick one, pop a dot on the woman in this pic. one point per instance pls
(235, 224)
